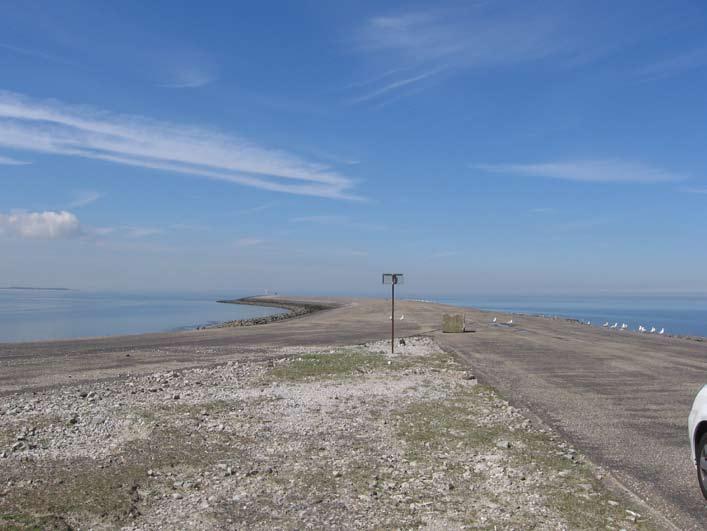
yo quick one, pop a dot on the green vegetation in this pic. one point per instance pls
(322, 366)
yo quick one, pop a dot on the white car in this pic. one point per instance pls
(697, 427)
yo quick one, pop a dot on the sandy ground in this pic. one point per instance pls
(341, 437)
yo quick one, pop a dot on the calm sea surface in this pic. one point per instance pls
(27, 315)
(678, 315)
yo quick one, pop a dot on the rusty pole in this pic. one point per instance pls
(392, 316)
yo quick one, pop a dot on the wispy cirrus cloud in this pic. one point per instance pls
(600, 171)
(184, 67)
(85, 198)
(675, 65)
(48, 225)
(37, 54)
(320, 220)
(8, 161)
(78, 131)
(339, 221)
(191, 76)
(424, 44)
(395, 85)
(249, 242)
(700, 190)
(142, 232)
(257, 208)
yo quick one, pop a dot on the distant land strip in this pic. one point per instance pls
(31, 288)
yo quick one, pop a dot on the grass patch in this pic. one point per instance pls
(112, 495)
(351, 363)
(579, 498)
(445, 423)
(323, 366)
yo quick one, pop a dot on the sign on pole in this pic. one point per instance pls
(392, 279)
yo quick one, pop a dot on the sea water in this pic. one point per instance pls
(28, 315)
(681, 315)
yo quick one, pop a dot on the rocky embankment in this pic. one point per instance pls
(292, 310)
(319, 438)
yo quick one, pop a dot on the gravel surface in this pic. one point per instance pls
(340, 437)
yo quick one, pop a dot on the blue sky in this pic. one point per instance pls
(495, 147)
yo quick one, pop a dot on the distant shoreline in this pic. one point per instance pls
(31, 288)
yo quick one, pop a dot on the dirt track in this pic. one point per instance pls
(621, 397)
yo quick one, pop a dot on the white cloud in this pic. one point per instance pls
(426, 43)
(678, 64)
(85, 198)
(40, 225)
(142, 232)
(191, 77)
(249, 242)
(445, 254)
(321, 220)
(401, 83)
(258, 208)
(405, 44)
(587, 170)
(102, 231)
(55, 128)
(33, 53)
(702, 190)
(338, 221)
(12, 162)
(354, 252)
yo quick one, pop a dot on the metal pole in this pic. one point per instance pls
(392, 318)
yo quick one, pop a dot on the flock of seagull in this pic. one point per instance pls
(642, 329)
(509, 322)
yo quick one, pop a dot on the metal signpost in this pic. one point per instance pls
(392, 279)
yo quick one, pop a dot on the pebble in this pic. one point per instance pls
(395, 482)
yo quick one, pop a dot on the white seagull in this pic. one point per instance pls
(662, 331)
(624, 326)
(510, 322)
(606, 324)
(641, 328)
(653, 330)
(402, 317)
(615, 325)
(493, 320)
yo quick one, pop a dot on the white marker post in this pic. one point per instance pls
(392, 279)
